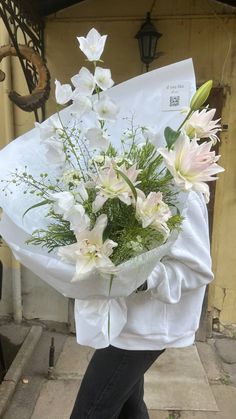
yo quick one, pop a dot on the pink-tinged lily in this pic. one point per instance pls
(192, 164)
(93, 45)
(90, 252)
(153, 212)
(201, 125)
(110, 184)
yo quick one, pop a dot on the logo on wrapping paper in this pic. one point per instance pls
(175, 95)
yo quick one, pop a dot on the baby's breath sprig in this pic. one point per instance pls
(39, 187)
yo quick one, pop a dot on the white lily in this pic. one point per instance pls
(93, 45)
(90, 252)
(106, 109)
(201, 125)
(63, 93)
(111, 185)
(102, 77)
(192, 164)
(63, 202)
(78, 219)
(97, 138)
(153, 212)
(84, 82)
(81, 105)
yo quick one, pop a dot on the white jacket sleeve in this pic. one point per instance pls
(188, 263)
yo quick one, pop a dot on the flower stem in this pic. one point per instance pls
(70, 144)
(187, 117)
(97, 89)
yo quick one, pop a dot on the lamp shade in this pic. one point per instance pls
(147, 37)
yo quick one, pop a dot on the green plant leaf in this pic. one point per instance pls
(170, 136)
(134, 192)
(39, 204)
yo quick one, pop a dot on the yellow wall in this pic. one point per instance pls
(201, 29)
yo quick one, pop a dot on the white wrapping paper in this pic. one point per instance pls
(141, 97)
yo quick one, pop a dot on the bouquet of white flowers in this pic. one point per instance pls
(103, 204)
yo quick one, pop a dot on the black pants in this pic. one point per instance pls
(112, 387)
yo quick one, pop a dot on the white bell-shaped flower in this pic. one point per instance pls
(106, 109)
(63, 93)
(84, 82)
(103, 78)
(93, 45)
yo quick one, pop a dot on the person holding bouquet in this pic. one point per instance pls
(165, 311)
(122, 229)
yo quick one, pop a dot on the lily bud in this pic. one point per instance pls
(201, 95)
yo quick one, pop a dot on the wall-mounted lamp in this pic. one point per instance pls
(147, 39)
